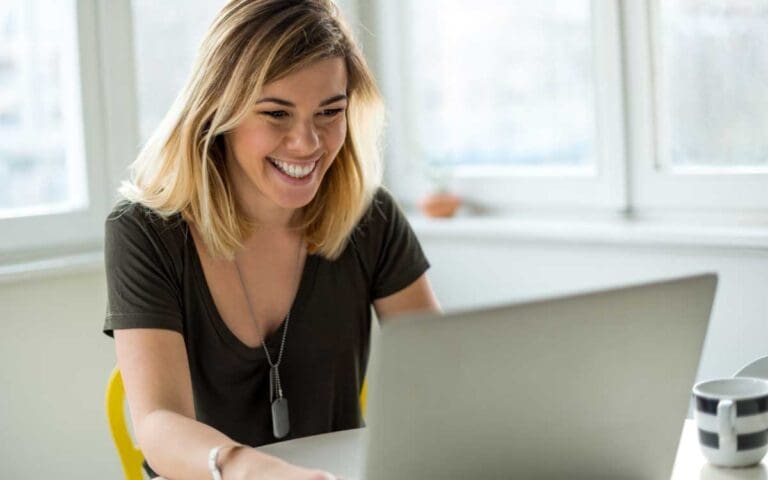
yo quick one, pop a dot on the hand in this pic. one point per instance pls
(287, 471)
(246, 464)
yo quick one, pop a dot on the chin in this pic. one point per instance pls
(294, 203)
(296, 198)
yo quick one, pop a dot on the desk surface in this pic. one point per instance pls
(342, 454)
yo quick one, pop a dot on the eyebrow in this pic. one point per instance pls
(286, 103)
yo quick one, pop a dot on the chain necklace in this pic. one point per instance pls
(281, 424)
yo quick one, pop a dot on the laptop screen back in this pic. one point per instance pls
(594, 385)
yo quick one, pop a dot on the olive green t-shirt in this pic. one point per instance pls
(155, 280)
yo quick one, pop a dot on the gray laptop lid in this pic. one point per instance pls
(594, 385)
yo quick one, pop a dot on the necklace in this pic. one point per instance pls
(281, 424)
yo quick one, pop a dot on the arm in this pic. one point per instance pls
(158, 386)
(416, 297)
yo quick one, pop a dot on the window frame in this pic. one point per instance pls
(627, 104)
(509, 188)
(106, 104)
(655, 188)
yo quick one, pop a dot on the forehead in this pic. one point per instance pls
(315, 82)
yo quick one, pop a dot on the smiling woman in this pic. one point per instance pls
(254, 209)
(174, 175)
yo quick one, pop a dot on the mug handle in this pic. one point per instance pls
(726, 424)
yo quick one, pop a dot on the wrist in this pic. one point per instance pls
(218, 457)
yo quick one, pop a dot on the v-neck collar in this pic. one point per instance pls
(272, 340)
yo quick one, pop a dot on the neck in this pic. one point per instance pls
(269, 217)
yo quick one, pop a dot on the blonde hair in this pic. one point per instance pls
(182, 168)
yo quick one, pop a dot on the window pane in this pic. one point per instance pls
(714, 82)
(167, 35)
(501, 82)
(42, 168)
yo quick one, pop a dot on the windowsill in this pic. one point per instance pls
(613, 231)
(53, 266)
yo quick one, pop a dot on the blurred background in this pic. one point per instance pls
(591, 143)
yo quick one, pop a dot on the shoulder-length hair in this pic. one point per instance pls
(182, 168)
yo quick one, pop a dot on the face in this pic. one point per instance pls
(288, 141)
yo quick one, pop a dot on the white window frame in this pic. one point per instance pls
(107, 106)
(655, 187)
(628, 182)
(499, 187)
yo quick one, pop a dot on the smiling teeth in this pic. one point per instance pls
(293, 170)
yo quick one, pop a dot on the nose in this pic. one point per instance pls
(303, 139)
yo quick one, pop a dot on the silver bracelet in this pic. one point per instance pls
(213, 460)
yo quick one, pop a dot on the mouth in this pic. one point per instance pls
(296, 171)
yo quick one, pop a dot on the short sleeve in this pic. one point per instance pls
(142, 290)
(394, 250)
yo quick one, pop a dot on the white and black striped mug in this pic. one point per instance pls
(732, 417)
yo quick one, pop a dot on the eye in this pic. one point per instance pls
(277, 114)
(331, 112)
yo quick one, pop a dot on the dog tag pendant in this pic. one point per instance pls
(280, 422)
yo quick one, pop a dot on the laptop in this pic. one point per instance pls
(593, 385)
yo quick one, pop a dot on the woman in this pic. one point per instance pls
(251, 244)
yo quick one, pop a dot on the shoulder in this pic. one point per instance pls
(382, 209)
(129, 216)
(133, 225)
(127, 213)
(383, 220)
(387, 246)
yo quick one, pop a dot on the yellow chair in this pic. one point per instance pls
(130, 456)
(363, 395)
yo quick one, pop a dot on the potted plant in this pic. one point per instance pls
(439, 202)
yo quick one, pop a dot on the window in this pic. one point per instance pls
(166, 36)
(653, 104)
(556, 104)
(82, 84)
(713, 85)
(41, 161)
(68, 104)
(500, 83)
(52, 195)
(697, 79)
(518, 102)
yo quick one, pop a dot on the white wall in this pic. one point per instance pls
(471, 272)
(54, 364)
(54, 360)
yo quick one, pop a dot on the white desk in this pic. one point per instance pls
(341, 453)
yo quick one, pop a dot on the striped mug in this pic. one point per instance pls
(732, 417)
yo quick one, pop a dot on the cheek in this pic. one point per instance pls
(336, 135)
(250, 141)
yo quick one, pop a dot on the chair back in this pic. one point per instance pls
(131, 457)
(363, 395)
